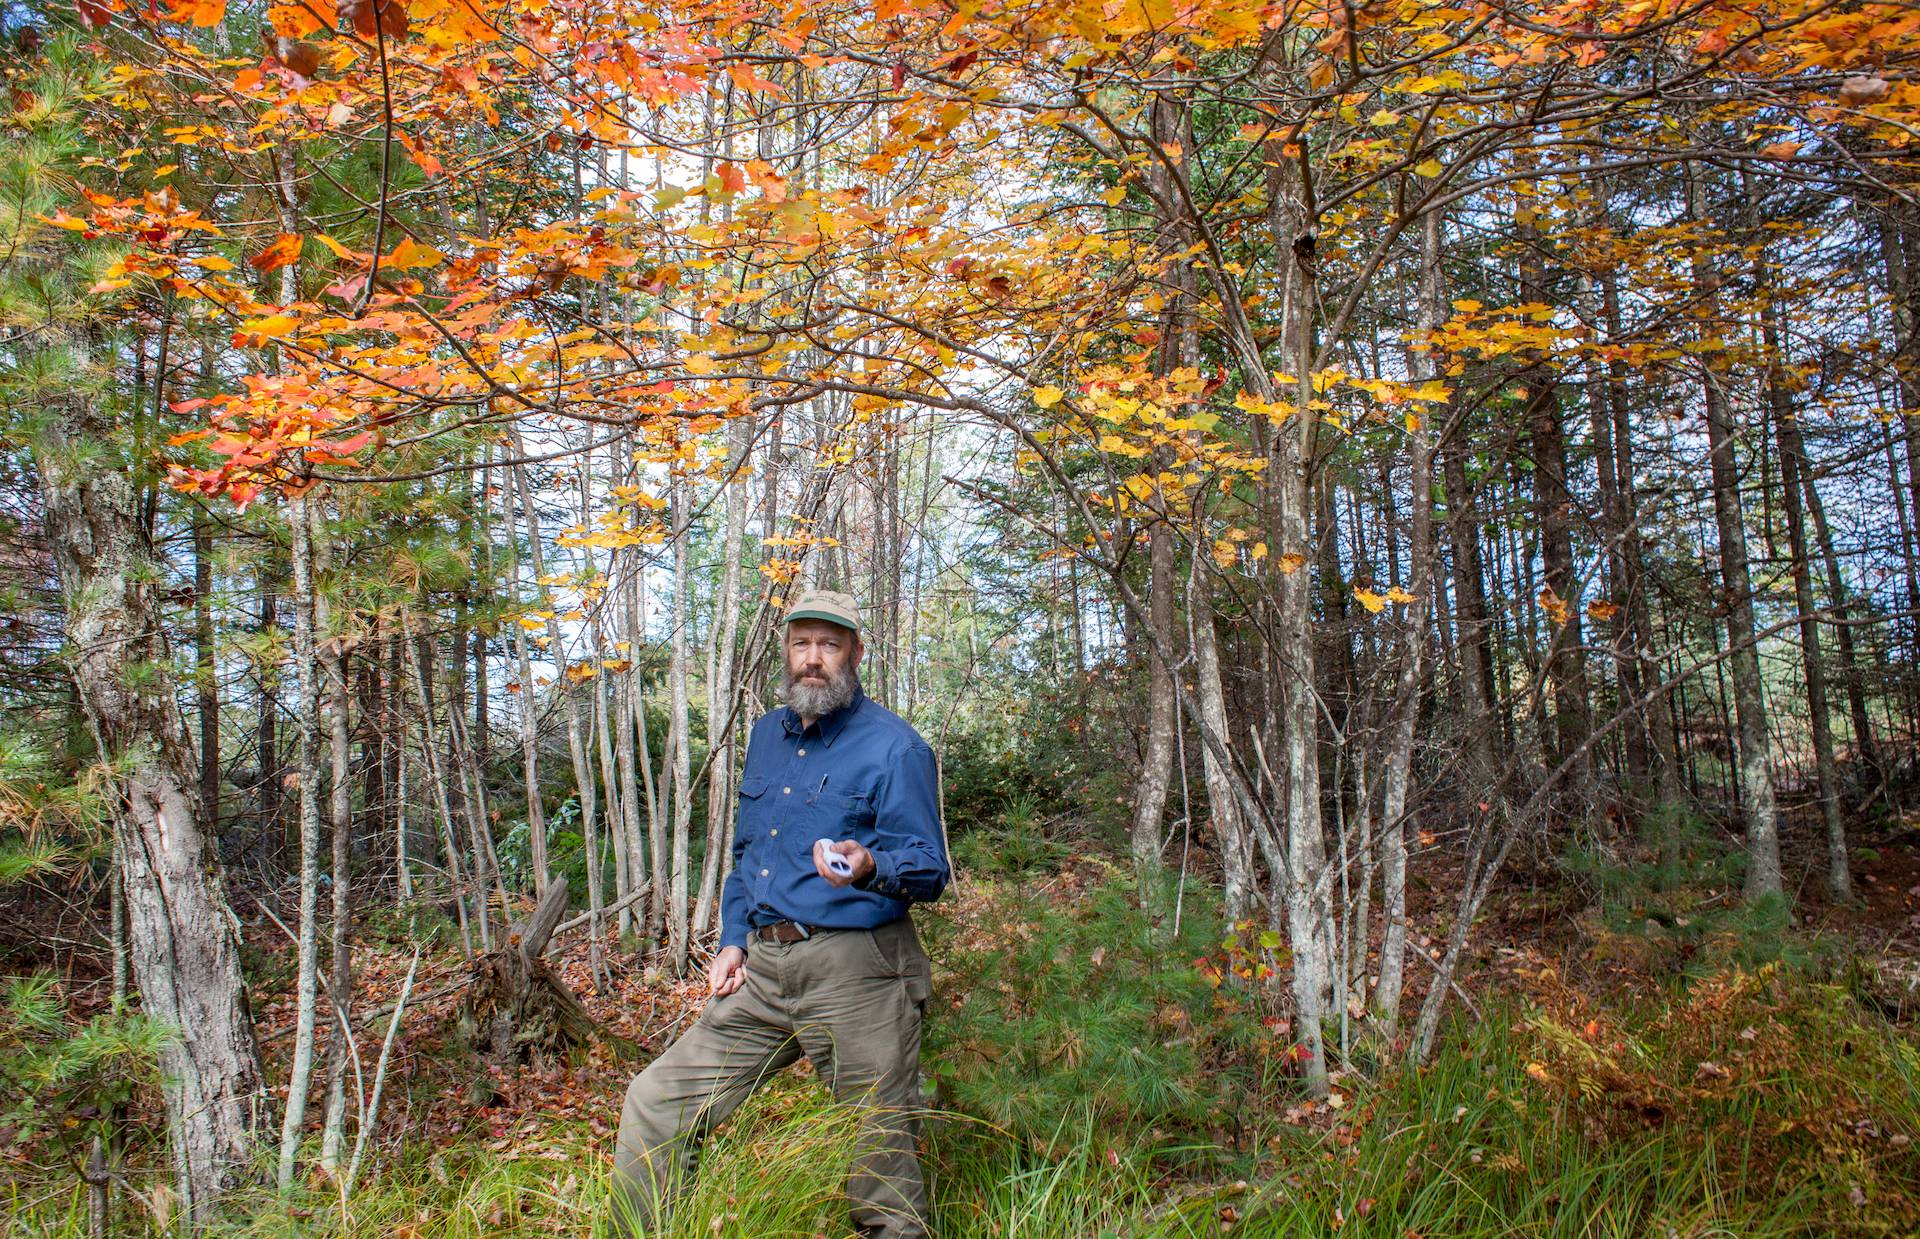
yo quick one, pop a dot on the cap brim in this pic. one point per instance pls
(828, 616)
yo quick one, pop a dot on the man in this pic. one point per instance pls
(838, 832)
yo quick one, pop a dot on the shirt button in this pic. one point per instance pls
(763, 873)
(786, 791)
(802, 753)
(774, 833)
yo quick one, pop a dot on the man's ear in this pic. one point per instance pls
(853, 664)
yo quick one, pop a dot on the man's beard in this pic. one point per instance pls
(819, 700)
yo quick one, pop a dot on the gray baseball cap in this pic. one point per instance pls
(828, 605)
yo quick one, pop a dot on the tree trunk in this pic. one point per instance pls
(181, 934)
(1756, 785)
(1392, 827)
(1793, 468)
(527, 701)
(1483, 740)
(1229, 823)
(1156, 768)
(1896, 246)
(576, 738)
(679, 748)
(721, 690)
(517, 1009)
(457, 883)
(206, 676)
(266, 727)
(1632, 588)
(333, 660)
(307, 965)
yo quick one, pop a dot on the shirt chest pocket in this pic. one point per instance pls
(755, 807)
(840, 813)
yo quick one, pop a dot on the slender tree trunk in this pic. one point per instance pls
(1156, 769)
(340, 811)
(306, 973)
(181, 936)
(680, 754)
(1793, 468)
(721, 691)
(206, 674)
(1756, 785)
(624, 705)
(1633, 586)
(1406, 704)
(1896, 245)
(430, 750)
(1838, 592)
(528, 702)
(1483, 738)
(1229, 824)
(266, 727)
(576, 730)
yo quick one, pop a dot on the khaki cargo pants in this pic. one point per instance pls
(851, 1001)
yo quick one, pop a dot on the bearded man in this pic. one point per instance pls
(838, 833)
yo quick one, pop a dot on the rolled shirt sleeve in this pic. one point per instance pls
(734, 904)
(910, 861)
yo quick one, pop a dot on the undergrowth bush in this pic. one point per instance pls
(1758, 1105)
(1085, 1005)
(1672, 903)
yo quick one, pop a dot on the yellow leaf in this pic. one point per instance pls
(271, 327)
(412, 254)
(213, 262)
(1396, 594)
(1428, 167)
(1290, 562)
(1047, 397)
(1383, 118)
(1374, 603)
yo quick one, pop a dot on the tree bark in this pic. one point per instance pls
(206, 676)
(576, 738)
(679, 753)
(1392, 829)
(182, 938)
(333, 659)
(307, 765)
(1793, 468)
(1156, 767)
(1756, 785)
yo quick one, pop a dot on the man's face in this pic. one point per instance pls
(818, 653)
(821, 658)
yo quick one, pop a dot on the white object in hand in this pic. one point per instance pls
(838, 863)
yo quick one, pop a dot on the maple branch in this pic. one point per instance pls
(386, 158)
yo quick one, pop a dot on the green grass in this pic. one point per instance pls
(1093, 1084)
(1548, 1120)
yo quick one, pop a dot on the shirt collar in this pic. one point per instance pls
(830, 726)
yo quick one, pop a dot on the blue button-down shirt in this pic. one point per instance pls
(860, 773)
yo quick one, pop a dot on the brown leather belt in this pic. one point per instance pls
(784, 932)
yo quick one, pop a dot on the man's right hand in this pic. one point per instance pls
(727, 972)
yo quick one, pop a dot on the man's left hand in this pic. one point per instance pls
(852, 852)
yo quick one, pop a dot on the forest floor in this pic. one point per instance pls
(1641, 1057)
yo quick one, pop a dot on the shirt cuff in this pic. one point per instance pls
(885, 878)
(730, 936)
